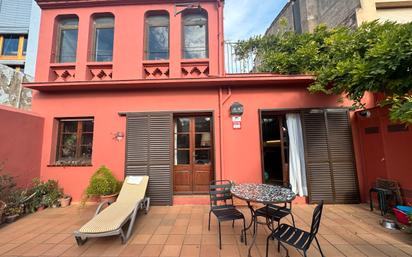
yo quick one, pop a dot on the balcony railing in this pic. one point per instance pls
(235, 65)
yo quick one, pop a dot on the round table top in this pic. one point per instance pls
(263, 193)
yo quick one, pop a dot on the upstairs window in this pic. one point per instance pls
(103, 38)
(10, 45)
(75, 140)
(157, 36)
(195, 40)
(24, 45)
(67, 40)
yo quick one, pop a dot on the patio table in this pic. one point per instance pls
(260, 193)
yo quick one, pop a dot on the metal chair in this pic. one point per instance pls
(295, 237)
(221, 205)
(273, 212)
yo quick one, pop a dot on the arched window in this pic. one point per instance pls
(195, 39)
(103, 28)
(67, 39)
(157, 36)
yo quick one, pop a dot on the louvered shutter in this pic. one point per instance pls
(329, 157)
(317, 157)
(148, 151)
(342, 157)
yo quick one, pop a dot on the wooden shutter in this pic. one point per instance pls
(329, 157)
(148, 152)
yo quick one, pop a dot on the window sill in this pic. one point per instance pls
(62, 64)
(70, 165)
(99, 63)
(155, 61)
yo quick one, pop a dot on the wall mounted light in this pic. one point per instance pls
(118, 136)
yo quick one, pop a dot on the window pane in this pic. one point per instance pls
(182, 124)
(25, 45)
(104, 44)
(87, 139)
(183, 141)
(68, 150)
(182, 157)
(86, 153)
(203, 140)
(88, 126)
(202, 124)
(10, 45)
(68, 45)
(195, 36)
(158, 43)
(202, 156)
(69, 126)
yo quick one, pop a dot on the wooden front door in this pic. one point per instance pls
(193, 152)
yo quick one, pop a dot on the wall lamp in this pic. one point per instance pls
(118, 136)
(186, 6)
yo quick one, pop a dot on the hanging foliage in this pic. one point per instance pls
(376, 57)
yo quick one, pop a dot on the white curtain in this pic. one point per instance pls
(297, 169)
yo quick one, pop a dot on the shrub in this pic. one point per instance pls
(103, 183)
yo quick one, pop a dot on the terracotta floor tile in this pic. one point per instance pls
(75, 250)
(391, 250)
(370, 250)
(7, 247)
(229, 251)
(57, 250)
(190, 251)
(95, 249)
(209, 240)
(141, 239)
(57, 238)
(192, 239)
(151, 250)
(175, 239)
(163, 230)
(349, 250)
(132, 250)
(171, 251)
(114, 250)
(179, 230)
(158, 239)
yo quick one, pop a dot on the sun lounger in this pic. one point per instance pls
(110, 221)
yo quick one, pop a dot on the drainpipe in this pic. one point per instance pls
(221, 103)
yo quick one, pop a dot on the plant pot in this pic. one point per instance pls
(110, 198)
(11, 218)
(64, 202)
(40, 208)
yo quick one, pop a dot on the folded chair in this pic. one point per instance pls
(297, 238)
(110, 221)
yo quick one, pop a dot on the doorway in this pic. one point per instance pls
(193, 154)
(275, 149)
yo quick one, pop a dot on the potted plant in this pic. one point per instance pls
(65, 200)
(103, 185)
(12, 213)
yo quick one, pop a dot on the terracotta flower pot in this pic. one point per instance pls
(11, 218)
(64, 202)
(111, 198)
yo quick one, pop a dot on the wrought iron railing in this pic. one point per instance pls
(233, 64)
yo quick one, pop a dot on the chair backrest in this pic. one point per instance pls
(219, 192)
(132, 193)
(392, 185)
(317, 215)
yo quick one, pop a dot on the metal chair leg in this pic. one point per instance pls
(267, 245)
(320, 249)
(220, 238)
(293, 220)
(244, 229)
(209, 220)
(233, 223)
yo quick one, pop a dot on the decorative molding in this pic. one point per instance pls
(100, 71)
(195, 70)
(156, 70)
(63, 73)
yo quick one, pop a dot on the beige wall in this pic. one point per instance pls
(393, 10)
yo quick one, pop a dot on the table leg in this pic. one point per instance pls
(252, 214)
(255, 232)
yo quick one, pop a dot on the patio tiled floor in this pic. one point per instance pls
(346, 230)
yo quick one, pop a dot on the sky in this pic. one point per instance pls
(246, 18)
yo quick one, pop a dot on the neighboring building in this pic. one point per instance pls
(12, 92)
(305, 15)
(141, 88)
(14, 30)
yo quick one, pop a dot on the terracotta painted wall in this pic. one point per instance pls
(385, 154)
(241, 148)
(20, 144)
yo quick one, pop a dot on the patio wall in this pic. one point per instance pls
(385, 154)
(21, 135)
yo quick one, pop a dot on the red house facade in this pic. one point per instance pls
(140, 87)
